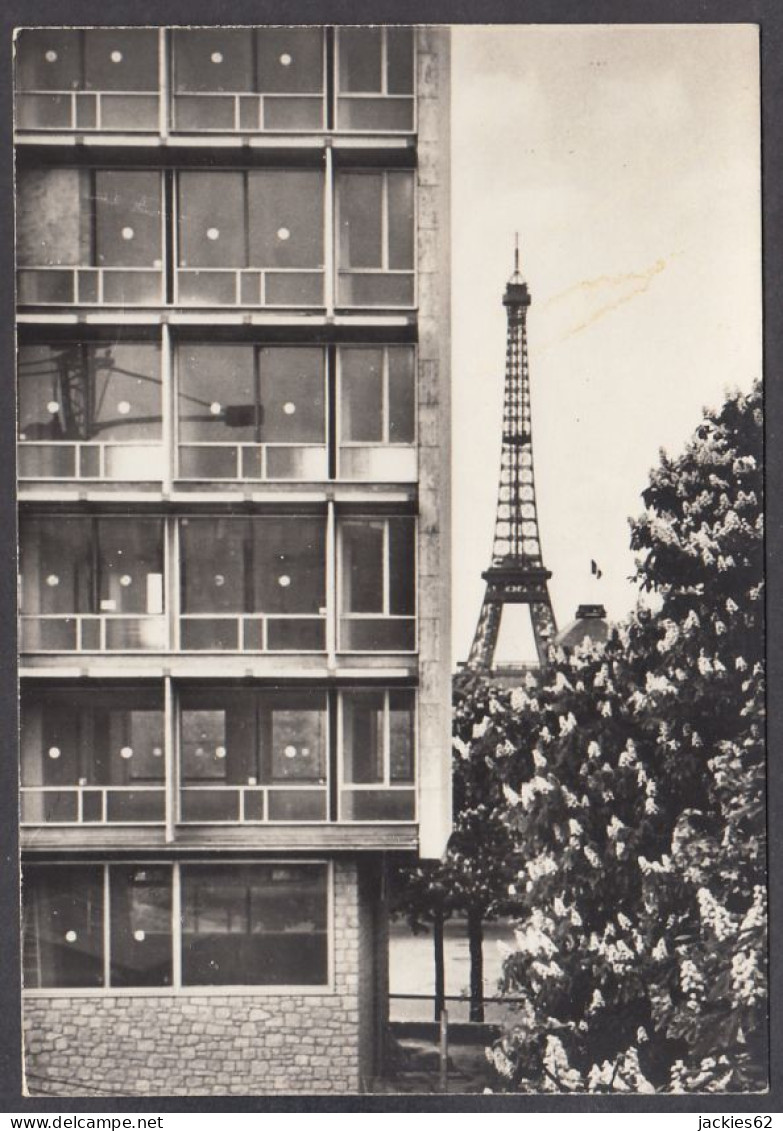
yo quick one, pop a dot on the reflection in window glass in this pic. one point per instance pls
(106, 218)
(361, 395)
(140, 918)
(240, 736)
(363, 567)
(254, 924)
(63, 926)
(290, 60)
(361, 220)
(399, 60)
(116, 59)
(207, 60)
(360, 60)
(80, 391)
(77, 565)
(363, 737)
(233, 393)
(211, 220)
(401, 736)
(402, 395)
(267, 565)
(92, 736)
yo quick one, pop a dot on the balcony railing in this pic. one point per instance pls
(252, 632)
(210, 461)
(131, 111)
(128, 460)
(248, 113)
(90, 286)
(250, 286)
(89, 632)
(250, 804)
(93, 805)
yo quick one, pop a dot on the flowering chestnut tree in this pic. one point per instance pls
(633, 776)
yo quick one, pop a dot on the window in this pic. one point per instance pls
(63, 911)
(75, 937)
(97, 79)
(251, 755)
(251, 238)
(377, 585)
(375, 239)
(92, 584)
(377, 413)
(90, 236)
(378, 755)
(375, 79)
(254, 924)
(253, 584)
(90, 411)
(251, 412)
(248, 79)
(92, 755)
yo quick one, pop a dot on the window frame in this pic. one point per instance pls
(387, 785)
(342, 613)
(93, 269)
(341, 271)
(383, 93)
(178, 988)
(384, 443)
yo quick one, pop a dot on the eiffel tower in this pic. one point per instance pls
(517, 575)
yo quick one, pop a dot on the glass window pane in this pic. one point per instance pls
(217, 398)
(213, 60)
(361, 395)
(400, 187)
(57, 566)
(362, 567)
(48, 59)
(402, 395)
(285, 218)
(102, 735)
(399, 60)
(292, 395)
(54, 217)
(128, 218)
(401, 736)
(219, 742)
(289, 565)
(360, 59)
(130, 562)
(211, 220)
(361, 202)
(292, 736)
(363, 737)
(402, 566)
(121, 59)
(63, 926)
(125, 386)
(290, 60)
(140, 925)
(254, 924)
(214, 555)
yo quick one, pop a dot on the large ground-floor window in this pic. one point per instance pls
(121, 926)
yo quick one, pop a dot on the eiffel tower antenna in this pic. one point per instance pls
(516, 574)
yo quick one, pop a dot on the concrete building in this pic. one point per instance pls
(233, 326)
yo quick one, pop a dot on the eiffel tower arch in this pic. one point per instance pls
(516, 575)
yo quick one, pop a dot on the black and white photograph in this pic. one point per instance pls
(390, 484)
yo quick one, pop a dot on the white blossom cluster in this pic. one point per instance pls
(715, 916)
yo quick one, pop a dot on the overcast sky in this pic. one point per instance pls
(628, 160)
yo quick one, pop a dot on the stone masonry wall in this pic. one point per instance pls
(208, 1044)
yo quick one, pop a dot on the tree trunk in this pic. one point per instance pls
(440, 967)
(475, 941)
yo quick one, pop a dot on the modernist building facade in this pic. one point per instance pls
(233, 346)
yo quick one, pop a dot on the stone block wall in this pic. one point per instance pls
(164, 1044)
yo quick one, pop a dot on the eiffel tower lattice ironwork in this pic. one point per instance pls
(517, 574)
